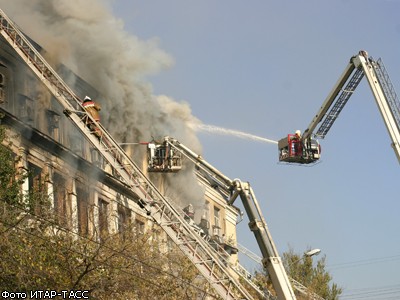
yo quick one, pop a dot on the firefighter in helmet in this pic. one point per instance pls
(296, 144)
(92, 108)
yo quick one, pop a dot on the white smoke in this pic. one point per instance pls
(88, 39)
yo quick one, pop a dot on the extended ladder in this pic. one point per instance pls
(340, 102)
(361, 66)
(385, 97)
(388, 90)
(148, 196)
(384, 84)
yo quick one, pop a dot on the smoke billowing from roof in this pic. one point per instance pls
(88, 39)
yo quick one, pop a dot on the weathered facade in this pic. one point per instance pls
(85, 194)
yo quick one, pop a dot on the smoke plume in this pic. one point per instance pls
(88, 39)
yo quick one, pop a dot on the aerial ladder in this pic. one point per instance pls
(236, 267)
(305, 148)
(166, 155)
(146, 194)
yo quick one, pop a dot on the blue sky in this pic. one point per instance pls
(265, 67)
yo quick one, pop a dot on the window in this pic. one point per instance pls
(53, 123)
(35, 178)
(124, 218)
(76, 142)
(206, 211)
(217, 221)
(140, 225)
(103, 218)
(37, 197)
(82, 197)
(96, 158)
(26, 109)
(217, 216)
(62, 203)
(205, 218)
(63, 131)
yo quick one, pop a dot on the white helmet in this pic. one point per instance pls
(298, 132)
(87, 98)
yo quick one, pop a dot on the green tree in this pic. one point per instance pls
(38, 254)
(312, 275)
(10, 178)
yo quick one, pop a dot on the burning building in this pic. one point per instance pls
(86, 193)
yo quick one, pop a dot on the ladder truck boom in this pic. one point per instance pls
(296, 285)
(305, 149)
(233, 189)
(148, 197)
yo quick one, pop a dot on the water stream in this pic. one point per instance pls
(224, 131)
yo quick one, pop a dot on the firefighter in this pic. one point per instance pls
(296, 144)
(92, 108)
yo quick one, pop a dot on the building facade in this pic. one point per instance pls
(85, 194)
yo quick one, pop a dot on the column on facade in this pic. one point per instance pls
(93, 222)
(74, 204)
(23, 169)
(49, 172)
(113, 216)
